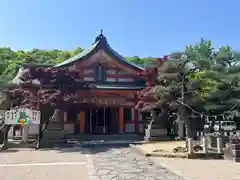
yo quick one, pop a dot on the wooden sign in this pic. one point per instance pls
(22, 116)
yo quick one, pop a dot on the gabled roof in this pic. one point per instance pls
(100, 43)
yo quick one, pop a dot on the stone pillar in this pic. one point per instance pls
(205, 145)
(25, 133)
(121, 119)
(219, 145)
(190, 145)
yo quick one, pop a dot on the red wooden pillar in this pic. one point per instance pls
(121, 120)
(82, 121)
(136, 116)
(136, 120)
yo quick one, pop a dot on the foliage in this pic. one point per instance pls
(10, 60)
(200, 79)
(146, 61)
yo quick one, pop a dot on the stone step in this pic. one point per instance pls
(53, 134)
(108, 137)
(19, 144)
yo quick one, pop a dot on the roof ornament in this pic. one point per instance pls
(100, 37)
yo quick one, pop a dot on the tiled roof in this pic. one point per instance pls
(100, 42)
(78, 56)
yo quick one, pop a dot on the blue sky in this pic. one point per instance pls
(133, 27)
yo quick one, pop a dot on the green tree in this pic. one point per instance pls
(76, 51)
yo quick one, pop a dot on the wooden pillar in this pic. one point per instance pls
(82, 121)
(121, 120)
(136, 120)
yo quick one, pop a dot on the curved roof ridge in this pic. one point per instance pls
(125, 60)
(78, 56)
(100, 41)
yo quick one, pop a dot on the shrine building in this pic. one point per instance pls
(114, 96)
(116, 83)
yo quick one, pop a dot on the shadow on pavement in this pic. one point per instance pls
(85, 148)
(9, 151)
(84, 144)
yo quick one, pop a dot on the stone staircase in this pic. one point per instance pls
(90, 141)
(58, 138)
(104, 137)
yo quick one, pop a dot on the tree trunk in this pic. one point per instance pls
(1, 137)
(4, 135)
(190, 126)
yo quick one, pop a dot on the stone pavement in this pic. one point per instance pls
(28, 164)
(101, 163)
(202, 169)
(122, 164)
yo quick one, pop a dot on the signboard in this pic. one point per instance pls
(22, 116)
(103, 101)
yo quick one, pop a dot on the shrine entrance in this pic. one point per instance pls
(102, 121)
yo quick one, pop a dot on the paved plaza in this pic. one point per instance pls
(27, 164)
(121, 163)
(197, 169)
(80, 164)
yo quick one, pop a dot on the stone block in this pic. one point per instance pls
(155, 132)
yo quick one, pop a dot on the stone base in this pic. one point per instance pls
(232, 152)
(158, 138)
(156, 134)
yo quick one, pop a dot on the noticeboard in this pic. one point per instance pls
(22, 116)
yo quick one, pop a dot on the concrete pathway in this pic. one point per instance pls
(202, 169)
(27, 164)
(99, 163)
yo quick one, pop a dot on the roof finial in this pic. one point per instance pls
(101, 38)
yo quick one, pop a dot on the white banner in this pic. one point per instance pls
(22, 116)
